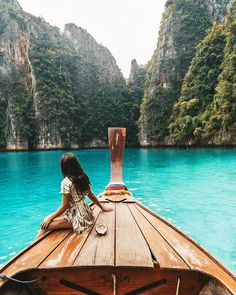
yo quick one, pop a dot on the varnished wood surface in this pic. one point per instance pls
(194, 256)
(128, 280)
(99, 250)
(131, 247)
(116, 143)
(66, 253)
(136, 238)
(164, 254)
(35, 255)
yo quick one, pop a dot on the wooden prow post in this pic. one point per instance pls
(116, 137)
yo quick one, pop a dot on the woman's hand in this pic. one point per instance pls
(47, 220)
(96, 201)
(106, 209)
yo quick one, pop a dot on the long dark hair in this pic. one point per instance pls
(70, 167)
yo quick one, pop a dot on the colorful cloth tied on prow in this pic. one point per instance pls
(116, 189)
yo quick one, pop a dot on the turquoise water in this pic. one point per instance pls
(194, 189)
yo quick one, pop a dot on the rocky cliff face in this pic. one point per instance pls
(135, 85)
(15, 75)
(99, 87)
(218, 9)
(87, 46)
(220, 126)
(64, 90)
(55, 91)
(184, 25)
(191, 111)
(205, 112)
(137, 74)
(12, 3)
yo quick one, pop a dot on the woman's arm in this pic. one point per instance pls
(64, 206)
(95, 200)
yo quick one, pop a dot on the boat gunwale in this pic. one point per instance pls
(211, 256)
(181, 258)
(20, 253)
(31, 245)
(155, 267)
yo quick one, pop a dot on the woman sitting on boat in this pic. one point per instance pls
(74, 187)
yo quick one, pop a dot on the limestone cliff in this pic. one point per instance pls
(137, 74)
(135, 85)
(220, 128)
(87, 46)
(218, 9)
(99, 87)
(205, 112)
(191, 111)
(184, 25)
(16, 78)
(11, 3)
(55, 90)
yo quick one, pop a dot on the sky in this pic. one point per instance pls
(128, 28)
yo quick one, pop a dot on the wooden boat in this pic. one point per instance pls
(141, 253)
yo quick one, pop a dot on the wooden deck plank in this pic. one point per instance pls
(33, 257)
(131, 247)
(65, 254)
(164, 254)
(99, 250)
(195, 257)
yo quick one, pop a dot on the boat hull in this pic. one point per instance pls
(108, 280)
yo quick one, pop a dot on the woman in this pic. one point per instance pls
(74, 187)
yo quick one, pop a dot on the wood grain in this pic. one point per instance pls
(128, 280)
(116, 138)
(164, 254)
(192, 254)
(131, 247)
(99, 250)
(33, 257)
(65, 254)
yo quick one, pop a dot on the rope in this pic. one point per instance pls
(177, 287)
(6, 278)
(114, 283)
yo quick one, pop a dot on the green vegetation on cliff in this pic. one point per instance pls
(192, 110)
(221, 125)
(135, 86)
(15, 97)
(20, 102)
(57, 91)
(52, 59)
(184, 24)
(206, 111)
(65, 90)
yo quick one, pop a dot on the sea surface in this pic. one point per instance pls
(193, 189)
